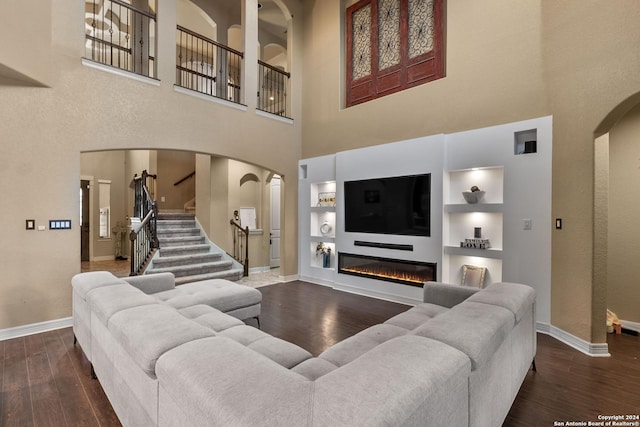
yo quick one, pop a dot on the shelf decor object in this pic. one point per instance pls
(324, 251)
(326, 228)
(473, 275)
(475, 244)
(327, 199)
(473, 196)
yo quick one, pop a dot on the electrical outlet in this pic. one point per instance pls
(527, 224)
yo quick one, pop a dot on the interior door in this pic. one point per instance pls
(84, 220)
(274, 258)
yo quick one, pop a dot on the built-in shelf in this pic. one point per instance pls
(317, 218)
(461, 218)
(477, 207)
(323, 239)
(323, 209)
(484, 253)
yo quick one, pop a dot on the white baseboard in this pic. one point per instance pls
(104, 258)
(363, 292)
(291, 278)
(588, 348)
(327, 283)
(35, 328)
(375, 294)
(632, 326)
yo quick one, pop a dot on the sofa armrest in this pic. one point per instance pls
(446, 295)
(153, 283)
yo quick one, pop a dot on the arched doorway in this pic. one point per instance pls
(616, 171)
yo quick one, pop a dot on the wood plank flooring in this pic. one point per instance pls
(45, 380)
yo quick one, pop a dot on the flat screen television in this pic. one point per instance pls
(396, 205)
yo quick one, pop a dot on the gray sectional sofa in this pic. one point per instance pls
(168, 357)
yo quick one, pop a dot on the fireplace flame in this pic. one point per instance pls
(386, 275)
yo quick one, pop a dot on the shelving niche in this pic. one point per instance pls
(461, 218)
(322, 222)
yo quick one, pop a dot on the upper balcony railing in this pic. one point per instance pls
(272, 89)
(123, 36)
(120, 35)
(207, 66)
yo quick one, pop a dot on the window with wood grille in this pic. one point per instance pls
(392, 45)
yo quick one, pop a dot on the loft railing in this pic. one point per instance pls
(120, 35)
(272, 89)
(241, 245)
(207, 66)
(144, 234)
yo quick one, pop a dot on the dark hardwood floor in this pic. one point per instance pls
(45, 381)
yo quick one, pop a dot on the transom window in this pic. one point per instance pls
(392, 45)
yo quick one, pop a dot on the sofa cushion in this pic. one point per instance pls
(512, 296)
(353, 347)
(219, 382)
(416, 316)
(193, 311)
(153, 283)
(314, 368)
(474, 328)
(406, 381)
(244, 335)
(84, 282)
(218, 321)
(282, 352)
(108, 300)
(218, 293)
(146, 332)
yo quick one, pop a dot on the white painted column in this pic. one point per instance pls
(166, 41)
(250, 46)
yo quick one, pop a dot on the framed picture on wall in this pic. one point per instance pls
(248, 218)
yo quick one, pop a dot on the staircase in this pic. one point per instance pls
(186, 252)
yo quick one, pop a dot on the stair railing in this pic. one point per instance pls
(240, 242)
(143, 235)
(180, 181)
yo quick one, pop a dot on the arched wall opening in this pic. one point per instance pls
(191, 16)
(616, 170)
(214, 186)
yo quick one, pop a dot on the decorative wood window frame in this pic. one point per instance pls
(378, 34)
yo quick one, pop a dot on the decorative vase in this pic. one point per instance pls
(326, 260)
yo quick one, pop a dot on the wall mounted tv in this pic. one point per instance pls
(396, 205)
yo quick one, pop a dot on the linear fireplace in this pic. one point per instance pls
(412, 273)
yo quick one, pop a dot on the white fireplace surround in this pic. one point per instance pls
(520, 223)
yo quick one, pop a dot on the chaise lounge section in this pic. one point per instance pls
(457, 359)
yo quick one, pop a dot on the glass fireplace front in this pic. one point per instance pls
(412, 273)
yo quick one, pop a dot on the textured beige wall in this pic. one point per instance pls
(494, 76)
(574, 60)
(25, 42)
(172, 167)
(44, 130)
(623, 292)
(590, 55)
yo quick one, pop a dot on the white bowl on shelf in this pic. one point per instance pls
(473, 196)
